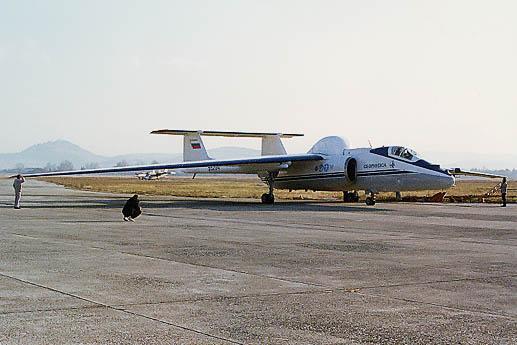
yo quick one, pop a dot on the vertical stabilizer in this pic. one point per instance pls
(272, 145)
(194, 148)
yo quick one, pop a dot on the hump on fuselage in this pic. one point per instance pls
(332, 145)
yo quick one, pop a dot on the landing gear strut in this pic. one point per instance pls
(269, 198)
(370, 200)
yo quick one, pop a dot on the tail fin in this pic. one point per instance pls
(194, 148)
(272, 145)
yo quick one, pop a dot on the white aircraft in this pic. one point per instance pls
(152, 175)
(330, 165)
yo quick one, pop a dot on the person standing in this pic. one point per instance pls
(504, 190)
(132, 209)
(17, 185)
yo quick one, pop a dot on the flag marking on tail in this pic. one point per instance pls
(195, 144)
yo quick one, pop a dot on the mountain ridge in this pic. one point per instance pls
(55, 152)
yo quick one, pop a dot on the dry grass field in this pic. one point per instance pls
(215, 187)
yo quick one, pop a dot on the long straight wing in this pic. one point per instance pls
(459, 172)
(254, 164)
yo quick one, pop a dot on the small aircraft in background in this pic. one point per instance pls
(153, 175)
(330, 165)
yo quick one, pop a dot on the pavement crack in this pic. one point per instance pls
(49, 309)
(169, 260)
(123, 310)
(435, 282)
(409, 300)
(219, 298)
(223, 269)
(327, 228)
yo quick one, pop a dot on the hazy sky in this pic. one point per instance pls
(432, 75)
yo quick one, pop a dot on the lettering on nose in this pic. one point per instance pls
(374, 166)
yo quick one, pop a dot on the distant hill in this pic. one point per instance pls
(51, 152)
(55, 152)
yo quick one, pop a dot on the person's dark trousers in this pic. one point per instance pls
(135, 212)
(503, 195)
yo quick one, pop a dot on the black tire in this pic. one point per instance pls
(350, 196)
(267, 199)
(370, 201)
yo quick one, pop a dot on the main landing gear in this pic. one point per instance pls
(269, 198)
(350, 196)
(370, 200)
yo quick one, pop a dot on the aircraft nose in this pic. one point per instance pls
(444, 181)
(451, 181)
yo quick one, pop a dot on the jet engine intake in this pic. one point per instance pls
(351, 169)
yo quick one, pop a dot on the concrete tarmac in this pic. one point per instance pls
(237, 272)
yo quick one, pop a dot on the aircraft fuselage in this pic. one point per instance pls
(375, 171)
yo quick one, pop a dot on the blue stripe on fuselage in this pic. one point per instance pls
(384, 173)
(342, 174)
(309, 176)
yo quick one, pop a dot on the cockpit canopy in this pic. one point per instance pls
(403, 152)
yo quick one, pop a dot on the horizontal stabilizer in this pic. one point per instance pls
(224, 133)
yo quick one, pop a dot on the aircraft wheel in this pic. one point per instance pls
(267, 199)
(350, 196)
(370, 201)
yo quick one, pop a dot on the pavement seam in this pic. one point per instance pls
(264, 276)
(116, 308)
(439, 305)
(49, 309)
(167, 260)
(356, 290)
(224, 269)
(247, 273)
(434, 282)
(183, 327)
(316, 227)
(215, 298)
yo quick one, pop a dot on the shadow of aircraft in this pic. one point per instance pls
(200, 204)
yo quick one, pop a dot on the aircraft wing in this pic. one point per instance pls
(459, 172)
(256, 164)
